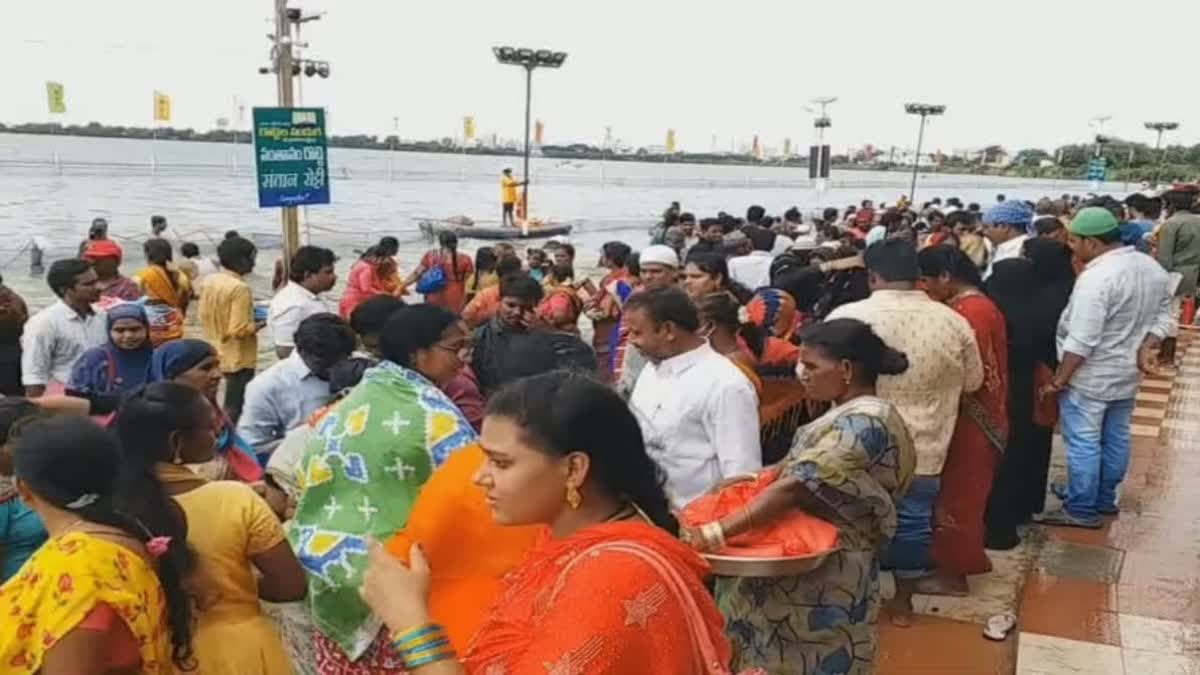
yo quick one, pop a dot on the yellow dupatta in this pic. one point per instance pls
(164, 302)
(157, 286)
(62, 583)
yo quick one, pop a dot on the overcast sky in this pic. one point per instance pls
(1019, 72)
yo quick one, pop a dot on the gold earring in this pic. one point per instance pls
(574, 499)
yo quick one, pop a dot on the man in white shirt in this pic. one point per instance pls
(284, 396)
(56, 336)
(754, 269)
(197, 267)
(1111, 329)
(699, 413)
(310, 274)
(1007, 226)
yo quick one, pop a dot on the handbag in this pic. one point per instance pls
(433, 280)
(706, 655)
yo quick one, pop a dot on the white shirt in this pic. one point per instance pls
(278, 400)
(1119, 297)
(54, 338)
(291, 305)
(205, 268)
(752, 271)
(1006, 251)
(699, 416)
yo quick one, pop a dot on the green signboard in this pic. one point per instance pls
(291, 156)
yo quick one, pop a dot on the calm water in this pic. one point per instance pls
(52, 187)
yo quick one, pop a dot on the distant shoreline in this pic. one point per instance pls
(1074, 166)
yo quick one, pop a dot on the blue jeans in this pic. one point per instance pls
(908, 555)
(1097, 436)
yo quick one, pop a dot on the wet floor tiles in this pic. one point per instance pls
(1080, 561)
(1046, 655)
(935, 646)
(1158, 635)
(1138, 662)
(1144, 430)
(1155, 413)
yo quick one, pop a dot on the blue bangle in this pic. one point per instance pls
(412, 664)
(435, 645)
(415, 632)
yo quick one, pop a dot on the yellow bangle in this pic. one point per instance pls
(419, 642)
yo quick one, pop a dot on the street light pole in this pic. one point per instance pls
(529, 59)
(525, 168)
(924, 110)
(286, 98)
(1160, 127)
(1100, 138)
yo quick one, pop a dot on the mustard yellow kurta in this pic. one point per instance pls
(228, 524)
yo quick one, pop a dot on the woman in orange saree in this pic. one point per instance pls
(981, 432)
(607, 590)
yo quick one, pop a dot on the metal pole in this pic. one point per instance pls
(525, 171)
(283, 79)
(1162, 158)
(912, 190)
(392, 153)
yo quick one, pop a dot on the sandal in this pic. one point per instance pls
(999, 626)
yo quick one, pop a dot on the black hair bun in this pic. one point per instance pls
(892, 362)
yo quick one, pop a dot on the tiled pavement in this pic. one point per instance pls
(1124, 600)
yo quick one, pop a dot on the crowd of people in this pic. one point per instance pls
(465, 484)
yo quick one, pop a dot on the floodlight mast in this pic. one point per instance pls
(924, 110)
(530, 60)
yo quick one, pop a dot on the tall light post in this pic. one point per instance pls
(924, 110)
(287, 68)
(1101, 139)
(529, 59)
(821, 122)
(1160, 127)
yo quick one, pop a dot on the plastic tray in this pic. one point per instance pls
(727, 565)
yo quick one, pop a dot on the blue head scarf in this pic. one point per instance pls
(1013, 213)
(176, 357)
(110, 369)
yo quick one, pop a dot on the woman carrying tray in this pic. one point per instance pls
(849, 468)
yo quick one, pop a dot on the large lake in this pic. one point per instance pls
(52, 187)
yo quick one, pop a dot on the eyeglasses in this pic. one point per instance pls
(460, 348)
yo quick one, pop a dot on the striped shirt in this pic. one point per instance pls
(1120, 297)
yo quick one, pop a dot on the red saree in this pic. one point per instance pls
(572, 609)
(975, 449)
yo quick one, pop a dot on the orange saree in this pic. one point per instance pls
(588, 605)
(468, 552)
(978, 442)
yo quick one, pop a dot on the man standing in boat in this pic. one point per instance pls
(508, 197)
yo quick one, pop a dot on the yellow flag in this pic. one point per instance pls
(670, 141)
(539, 130)
(162, 107)
(468, 127)
(55, 98)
